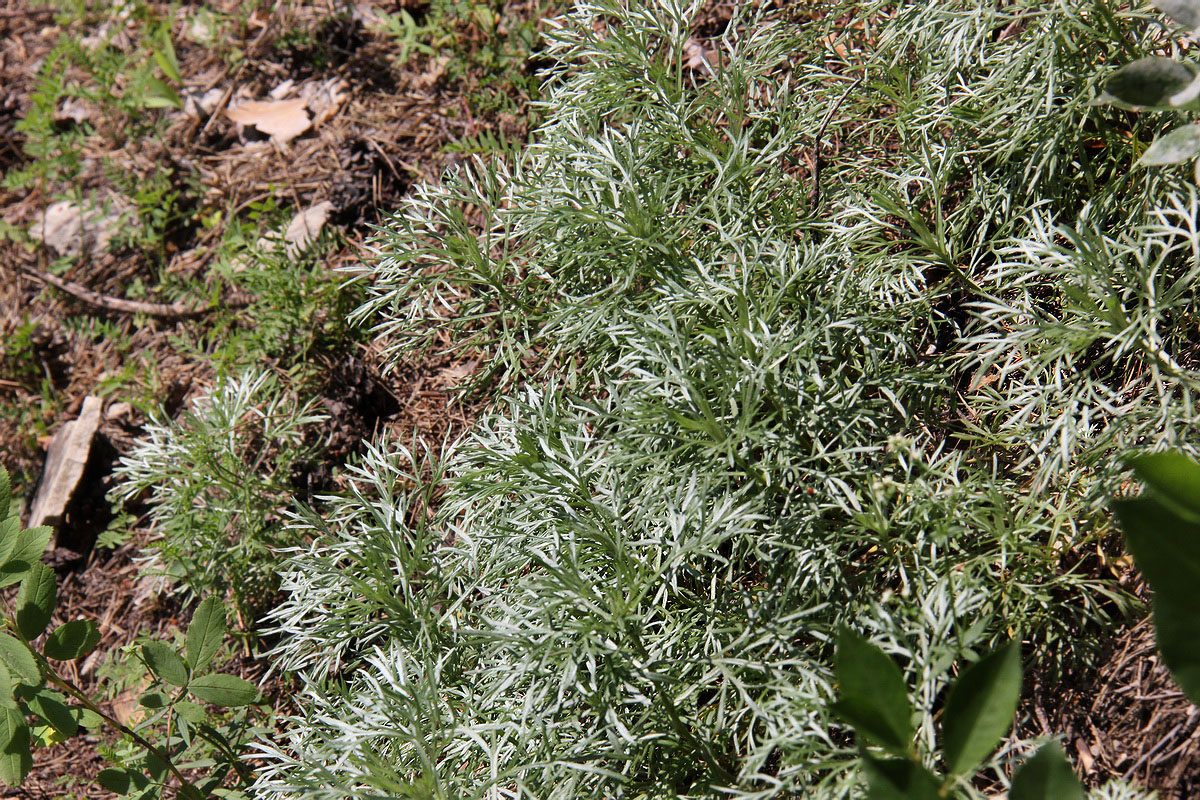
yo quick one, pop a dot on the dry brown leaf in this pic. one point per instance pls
(696, 56)
(72, 229)
(282, 120)
(304, 227)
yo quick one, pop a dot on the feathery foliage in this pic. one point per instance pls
(733, 420)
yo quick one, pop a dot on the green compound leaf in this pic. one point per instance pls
(980, 708)
(871, 693)
(192, 712)
(5, 493)
(1149, 82)
(88, 719)
(1047, 775)
(1166, 549)
(164, 662)
(206, 633)
(7, 685)
(898, 779)
(27, 551)
(15, 759)
(19, 660)
(154, 700)
(52, 707)
(1171, 475)
(10, 535)
(224, 690)
(1176, 147)
(122, 781)
(1184, 12)
(71, 640)
(35, 601)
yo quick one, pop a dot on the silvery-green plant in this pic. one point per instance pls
(742, 422)
(217, 480)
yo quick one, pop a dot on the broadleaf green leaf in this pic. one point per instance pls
(19, 660)
(224, 690)
(1149, 82)
(980, 708)
(872, 695)
(898, 779)
(192, 712)
(206, 633)
(31, 544)
(7, 684)
(10, 535)
(1166, 549)
(164, 662)
(157, 94)
(71, 640)
(15, 759)
(154, 700)
(5, 493)
(35, 601)
(164, 54)
(117, 781)
(52, 707)
(1176, 147)
(1184, 12)
(1171, 476)
(1047, 775)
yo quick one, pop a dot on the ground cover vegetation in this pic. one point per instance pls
(744, 403)
(809, 340)
(150, 255)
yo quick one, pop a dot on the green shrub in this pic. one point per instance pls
(41, 705)
(732, 422)
(218, 479)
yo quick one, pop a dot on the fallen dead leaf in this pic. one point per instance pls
(71, 228)
(305, 227)
(282, 120)
(697, 56)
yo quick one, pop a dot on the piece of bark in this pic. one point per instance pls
(65, 462)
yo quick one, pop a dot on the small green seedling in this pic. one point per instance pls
(39, 706)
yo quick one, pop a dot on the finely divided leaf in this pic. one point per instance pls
(872, 695)
(164, 662)
(71, 640)
(35, 601)
(224, 690)
(1046, 776)
(206, 633)
(980, 708)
